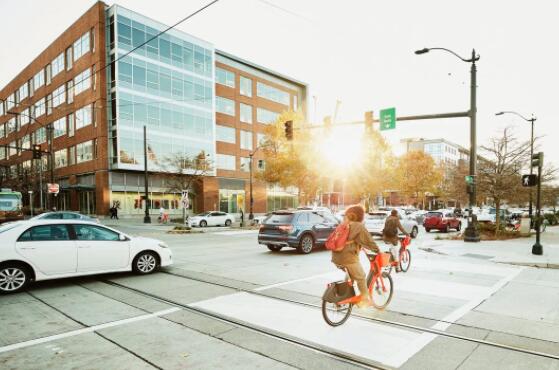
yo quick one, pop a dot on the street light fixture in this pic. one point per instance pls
(531, 120)
(471, 233)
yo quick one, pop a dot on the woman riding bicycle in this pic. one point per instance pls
(348, 257)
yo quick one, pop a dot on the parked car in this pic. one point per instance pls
(490, 215)
(211, 219)
(374, 223)
(442, 221)
(340, 215)
(301, 229)
(258, 219)
(64, 215)
(51, 249)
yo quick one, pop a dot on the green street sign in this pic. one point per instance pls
(469, 179)
(387, 119)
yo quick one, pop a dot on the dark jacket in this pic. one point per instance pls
(358, 237)
(391, 227)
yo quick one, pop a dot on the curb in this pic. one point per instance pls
(540, 265)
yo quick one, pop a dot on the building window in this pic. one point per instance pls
(225, 162)
(266, 116)
(24, 117)
(13, 148)
(225, 134)
(272, 93)
(70, 91)
(261, 164)
(81, 46)
(71, 125)
(84, 151)
(39, 108)
(260, 139)
(2, 155)
(39, 79)
(82, 81)
(26, 142)
(48, 73)
(11, 126)
(57, 65)
(295, 102)
(10, 102)
(69, 58)
(23, 92)
(83, 117)
(246, 140)
(71, 155)
(246, 86)
(245, 164)
(61, 158)
(1, 107)
(2, 130)
(245, 113)
(59, 96)
(224, 105)
(59, 127)
(40, 136)
(224, 77)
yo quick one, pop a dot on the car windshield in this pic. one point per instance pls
(376, 216)
(280, 218)
(434, 214)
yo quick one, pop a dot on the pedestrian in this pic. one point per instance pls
(348, 257)
(161, 214)
(112, 211)
(116, 206)
(242, 218)
(390, 235)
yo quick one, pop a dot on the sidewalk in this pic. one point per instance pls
(514, 251)
(138, 223)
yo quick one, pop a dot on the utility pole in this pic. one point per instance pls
(251, 200)
(147, 218)
(537, 160)
(50, 138)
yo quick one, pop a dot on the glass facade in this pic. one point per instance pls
(166, 85)
(245, 113)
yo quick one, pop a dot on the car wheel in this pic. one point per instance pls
(274, 248)
(227, 222)
(459, 227)
(203, 223)
(306, 244)
(427, 230)
(414, 232)
(446, 229)
(145, 263)
(13, 278)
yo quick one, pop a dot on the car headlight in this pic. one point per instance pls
(163, 245)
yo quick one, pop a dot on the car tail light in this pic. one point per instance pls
(286, 228)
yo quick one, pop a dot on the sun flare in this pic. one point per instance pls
(342, 149)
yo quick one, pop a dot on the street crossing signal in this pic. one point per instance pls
(289, 130)
(537, 159)
(36, 152)
(529, 180)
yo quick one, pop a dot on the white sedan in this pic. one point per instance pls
(50, 249)
(211, 219)
(374, 223)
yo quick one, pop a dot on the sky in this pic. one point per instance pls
(361, 53)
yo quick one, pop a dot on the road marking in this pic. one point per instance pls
(332, 274)
(89, 329)
(357, 337)
(236, 232)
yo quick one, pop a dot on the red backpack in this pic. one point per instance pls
(337, 240)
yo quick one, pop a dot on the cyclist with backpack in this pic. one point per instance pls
(346, 242)
(390, 235)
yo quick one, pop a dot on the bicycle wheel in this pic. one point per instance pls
(383, 287)
(335, 314)
(405, 260)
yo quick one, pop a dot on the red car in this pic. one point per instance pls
(442, 221)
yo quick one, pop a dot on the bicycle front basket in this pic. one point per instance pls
(338, 291)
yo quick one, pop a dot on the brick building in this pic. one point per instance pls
(192, 98)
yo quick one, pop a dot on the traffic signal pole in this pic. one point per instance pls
(537, 160)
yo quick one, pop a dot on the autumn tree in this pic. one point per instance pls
(416, 174)
(499, 174)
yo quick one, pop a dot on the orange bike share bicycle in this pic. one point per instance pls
(339, 297)
(405, 256)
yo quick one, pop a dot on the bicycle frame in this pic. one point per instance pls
(375, 266)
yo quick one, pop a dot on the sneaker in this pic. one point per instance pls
(364, 302)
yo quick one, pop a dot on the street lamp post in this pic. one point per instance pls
(531, 120)
(147, 218)
(471, 233)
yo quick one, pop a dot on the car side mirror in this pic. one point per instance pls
(122, 237)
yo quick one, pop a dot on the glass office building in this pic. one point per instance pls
(167, 86)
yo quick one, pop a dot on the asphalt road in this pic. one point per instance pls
(229, 303)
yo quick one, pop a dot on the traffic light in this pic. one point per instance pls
(289, 130)
(537, 159)
(369, 122)
(37, 152)
(328, 123)
(469, 179)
